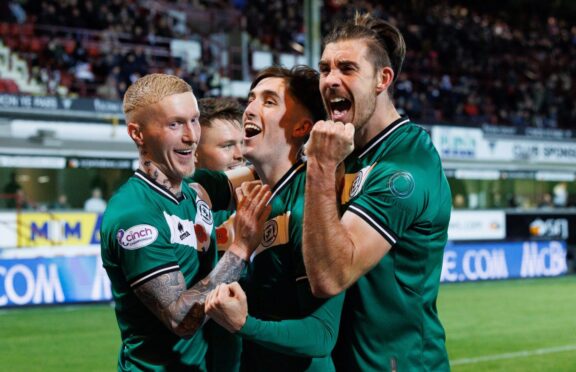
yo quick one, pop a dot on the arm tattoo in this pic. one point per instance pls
(181, 310)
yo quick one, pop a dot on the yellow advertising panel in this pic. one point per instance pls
(45, 229)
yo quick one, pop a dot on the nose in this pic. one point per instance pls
(331, 80)
(249, 111)
(238, 153)
(191, 132)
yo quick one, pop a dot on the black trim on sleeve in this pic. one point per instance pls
(155, 272)
(372, 221)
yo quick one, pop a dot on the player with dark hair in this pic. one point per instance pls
(384, 245)
(221, 145)
(158, 241)
(288, 328)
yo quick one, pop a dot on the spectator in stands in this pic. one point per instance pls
(221, 145)
(459, 201)
(560, 195)
(60, 203)
(95, 203)
(23, 202)
(493, 82)
(546, 201)
(10, 191)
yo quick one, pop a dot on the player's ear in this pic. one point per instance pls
(385, 77)
(302, 128)
(135, 132)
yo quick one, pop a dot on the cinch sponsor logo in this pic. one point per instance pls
(137, 236)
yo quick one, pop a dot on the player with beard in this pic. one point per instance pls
(384, 245)
(287, 328)
(158, 240)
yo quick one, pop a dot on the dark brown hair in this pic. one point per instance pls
(303, 85)
(386, 44)
(228, 109)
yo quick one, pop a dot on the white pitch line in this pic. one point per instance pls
(518, 354)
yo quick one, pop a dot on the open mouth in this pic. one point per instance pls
(339, 106)
(184, 152)
(251, 130)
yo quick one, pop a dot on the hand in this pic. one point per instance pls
(244, 189)
(251, 216)
(227, 306)
(330, 142)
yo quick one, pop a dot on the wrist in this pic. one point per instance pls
(321, 175)
(250, 327)
(240, 251)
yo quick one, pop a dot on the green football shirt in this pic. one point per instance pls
(146, 232)
(390, 322)
(288, 328)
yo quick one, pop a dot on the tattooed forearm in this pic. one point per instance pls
(228, 270)
(182, 310)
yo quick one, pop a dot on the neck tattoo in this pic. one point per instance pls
(156, 174)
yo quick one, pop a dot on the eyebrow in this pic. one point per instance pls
(264, 93)
(340, 63)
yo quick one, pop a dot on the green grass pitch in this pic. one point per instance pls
(515, 325)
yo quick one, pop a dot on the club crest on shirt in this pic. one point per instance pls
(401, 184)
(138, 236)
(204, 211)
(276, 233)
(270, 233)
(356, 185)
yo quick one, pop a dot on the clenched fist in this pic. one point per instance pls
(227, 306)
(330, 142)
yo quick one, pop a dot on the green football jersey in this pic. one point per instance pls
(146, 232)
(390, 322)
(279, 295)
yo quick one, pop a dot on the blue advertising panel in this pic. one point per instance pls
(56, 280)
(503, 260)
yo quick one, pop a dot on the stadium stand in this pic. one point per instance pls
(468, 64)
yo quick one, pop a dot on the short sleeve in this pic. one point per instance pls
(390, 200)
(143, 246)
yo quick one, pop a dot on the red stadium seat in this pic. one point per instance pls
(27, 29)
(36, 45)
(11, 86)
(4, 28)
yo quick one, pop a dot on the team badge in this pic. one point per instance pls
(204, 211)
(356, 185)
(270, 233)
(401, 184)
(137, 236)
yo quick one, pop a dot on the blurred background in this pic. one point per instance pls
(493, 83)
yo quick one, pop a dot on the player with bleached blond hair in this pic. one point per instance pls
(158, 240)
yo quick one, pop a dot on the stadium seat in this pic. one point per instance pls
(4, 29)
(11, 86)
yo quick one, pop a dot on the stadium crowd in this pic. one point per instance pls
(466, 65)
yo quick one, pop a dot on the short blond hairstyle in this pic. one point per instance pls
(151, 89)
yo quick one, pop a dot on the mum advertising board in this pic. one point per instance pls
(45, 229)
